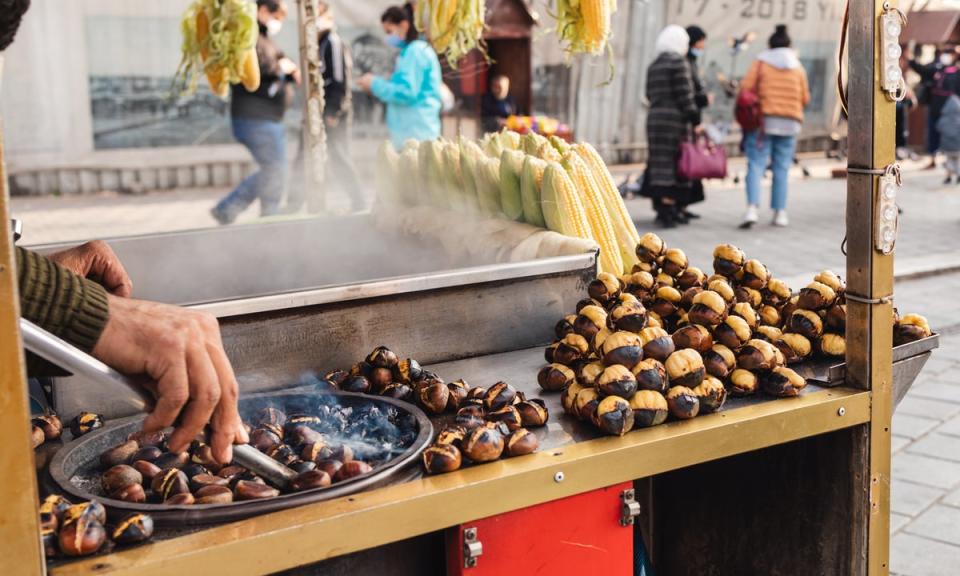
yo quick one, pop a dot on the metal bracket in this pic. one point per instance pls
(629, 508)
(16, 226)
(472, 548)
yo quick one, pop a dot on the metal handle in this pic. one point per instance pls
(60, 352)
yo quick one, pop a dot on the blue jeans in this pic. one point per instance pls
(267, 143)
(782, 148)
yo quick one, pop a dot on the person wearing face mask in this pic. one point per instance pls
(698, 41)
(412, 94)
(257, 121)
(939, 81)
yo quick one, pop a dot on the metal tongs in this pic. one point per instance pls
(70, 358)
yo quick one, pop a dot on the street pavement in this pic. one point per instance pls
(925, 519)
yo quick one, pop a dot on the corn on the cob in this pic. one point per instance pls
(412, 191)
(600, 227)
(531, 142)
(388, 184)
(562, 209)
(487, 177)
(469, 153)
(623, 226)
(584, 25)
(531, 177)
(549, 153)
(509, 139)
(511, 199)
(431, 172)
(455, 27)
(596, 22)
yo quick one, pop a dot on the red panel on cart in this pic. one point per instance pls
(573, 536)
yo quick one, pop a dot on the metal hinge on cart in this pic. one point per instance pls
(472, 548)
(629, 508)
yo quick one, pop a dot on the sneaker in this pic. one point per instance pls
(750, 217)
(949, 180)
(780, 218)
(221, 217)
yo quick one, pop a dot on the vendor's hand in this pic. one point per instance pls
(365, 82)
(96, 261)
(182, 352)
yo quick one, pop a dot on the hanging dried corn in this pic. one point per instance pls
(219, 40)
(454, 27)
(584, 25)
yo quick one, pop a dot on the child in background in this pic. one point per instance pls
(948, 125)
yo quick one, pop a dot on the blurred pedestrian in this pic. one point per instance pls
(698, 41)
(257, 121)
(780, 82)
(673, 113)
(939, 80)
(413, 92)
(497, 104)
(948, 125)
(904, 107)
(336, 66)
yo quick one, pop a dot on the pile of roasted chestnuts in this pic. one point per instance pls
(82, 529)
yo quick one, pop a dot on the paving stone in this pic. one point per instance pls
(926, 470)
(910, 498)
(925, 408)
(952, 499)
(940, 523)
(897, 443)
(916, 556)
(937, 445)
(912, 426)
(937, 390)
(951, 427)
(898, 521)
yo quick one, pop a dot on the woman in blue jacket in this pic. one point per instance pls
(412, 93)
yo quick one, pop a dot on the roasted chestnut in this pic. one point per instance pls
(149, 439)
(147, 454)
(343, 453)
(132, 493)
(314, 451)
(686, 299)
(719, 361)
(685, 368)
(743, 382)
(555, 377)
(805, 322)
(654, 320)
(786, 310)
(181, 499)
(640, 284)
(711, 394)
(617, 380)
(477, 393)
(133, 529)
(580, 305)
(757, 355)
(330, 466)
(746, 311)
(754, 275)
(203, 480)
(483, 444)
(231, 472)
(50, 424)
(508, 415)
(649, 408)
(352, 469)
(82, 537)
(911, 327)
(683, 402)
(674, 262)
(119, 476)
(451, 435)
(768, 333)
(571, 349)
(434, 397)
(458, 390)
(833, 345)
(533, 412)
(709, 309)
(733, 333)
(604, 288)
(52, 510)
(119, 454)
(148, 470)
(470, 417)
(398, 391)
(564, 326)
(170, 483)
(651, 375)
(37, 436)
(310, 480)
(830, 278)
(836, 318)
(722, 287)
(749, 296)
(777, 292)
(794, 347)
(666, 301)
(85, 422)
(193, 469)
(270, 417)
(49, 540)
(586, 404)
(590, 320)
(623, 348)
(657, 343)
(215, 494)
(521, 442)
(727, 260)
(382, 357)
(359, 369)
(264, 440)
(92, 510)
(441, 458)
(335, 378)
(169, 460)
(499, 395)
(203, 455)
(650, 247)
(816, 296)
(614, 415)
(301, 466)
(380, 378)
(690, 278)
(248, 490)
(629, 317)
(359, 384)
(596, 345)
(406, 371)
(568, 399)
(693, 336)
(782, 382)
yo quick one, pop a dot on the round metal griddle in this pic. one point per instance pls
(75, 468)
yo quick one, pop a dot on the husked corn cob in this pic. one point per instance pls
(546, 151)
(388, 183)
(511, 199)
(562, 209)
(530, 179)
(623, 226)
(487, 177)
(470, 153)
(600, 227)
(596, 22)
(432, 180)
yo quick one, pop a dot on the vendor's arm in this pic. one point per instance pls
(403, 87)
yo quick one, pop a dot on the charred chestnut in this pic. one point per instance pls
(170, 483)
(586, 404)
(614, 415)
(743, 383)
(533, 413)
(382, 357)
(794, 347)
(685, 368)
(352, 469)
(650, 247)
(380, 378)
(782, 382)
(441, 458)
(451, 435)
(521, 442)
(203, 480)
(604, 288)
(754, 275)
(617, 380)
(398, 391)
(777, 292)
(555, 377)
(686, 299)
(52, 510)
(568, 399)
(666, 301)
(499, 395)
(722, 287)
(434, 397)
(182, 499)
(359, 384)
(148, 470)
(651, 375)
(564, 326)
(805, 322)
(132, 493)
(82, 537)
(477, 393)
(119, 454)
(690, 278)
(247, 490)
(674, 262)
(85, 422)
(693, 336)
(719, 361)
(571, 350)
(836, 318)
(310, 480)
(508, 415)
(133, 529)
(589, 321)
(833, 345)
(119, 476)
(264, 440)
(727, 260)
(757, 355)
(483, 444)
(470, 417)
(683, 402)
(336, 377)
(657, 343)
(458, 390)
(911, 327)
(733, 333)
(709, 309)
(711, 394)
(406, 371)
(92, 510)
(51, 426)
(748, 296)
(623, 348)
(816, 296)
(746, 311)
(330, 466)
(768, 333)
(831, 279)
(649, 408)
(629, 317)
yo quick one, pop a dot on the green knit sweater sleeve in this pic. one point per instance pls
(60, 301)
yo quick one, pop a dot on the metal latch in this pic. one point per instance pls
(16, 226)
(472, 548)
(629, 508)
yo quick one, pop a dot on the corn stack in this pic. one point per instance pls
(530, 179)
(487, 177)
(562, 208)
(388, 183)
(601, 229)
(511, 199)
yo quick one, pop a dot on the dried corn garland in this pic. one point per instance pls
(219, 39)
(455, 27)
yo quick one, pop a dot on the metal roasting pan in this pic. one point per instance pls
(75, 463)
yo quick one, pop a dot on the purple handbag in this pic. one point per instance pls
(700, 159)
